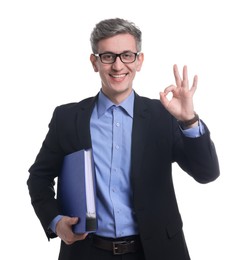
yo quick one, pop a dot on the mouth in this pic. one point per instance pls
(118, 76)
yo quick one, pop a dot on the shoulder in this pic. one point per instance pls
(66, 113)
(147, 101)
(73, 107)
(154, 106)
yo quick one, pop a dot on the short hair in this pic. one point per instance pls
(111, 27)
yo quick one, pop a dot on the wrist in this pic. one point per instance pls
(189, 123)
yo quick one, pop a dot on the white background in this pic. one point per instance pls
(44, 62)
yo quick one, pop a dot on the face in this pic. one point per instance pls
(117, 78)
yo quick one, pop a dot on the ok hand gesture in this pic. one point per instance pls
(181, 105)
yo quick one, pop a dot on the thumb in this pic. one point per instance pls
(73, 220)
(164, 99)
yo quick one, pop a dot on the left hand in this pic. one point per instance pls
(64, 230)
(181, 105)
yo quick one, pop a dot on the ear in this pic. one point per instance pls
(93, 60)
(140, 60)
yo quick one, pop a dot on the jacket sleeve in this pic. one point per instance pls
(41, 181)
(197, 156)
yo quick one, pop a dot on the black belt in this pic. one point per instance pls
(118, 246)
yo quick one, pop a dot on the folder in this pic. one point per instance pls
(76, 190)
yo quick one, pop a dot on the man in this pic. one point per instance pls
(135, 140)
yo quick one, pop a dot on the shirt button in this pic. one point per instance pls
(117, 124)
(117, 147)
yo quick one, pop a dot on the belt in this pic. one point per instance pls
(118, 246)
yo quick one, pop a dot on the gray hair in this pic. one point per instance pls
(111, 27)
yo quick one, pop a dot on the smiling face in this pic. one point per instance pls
(117, 78)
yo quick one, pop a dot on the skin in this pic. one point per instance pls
(117, 80)
(181, 105)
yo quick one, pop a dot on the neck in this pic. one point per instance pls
(117, 98)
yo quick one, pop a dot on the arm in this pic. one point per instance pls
(41, 178)
(196, 156)
(41, 186)
(41, 182)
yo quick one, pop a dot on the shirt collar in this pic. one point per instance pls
(104, 103)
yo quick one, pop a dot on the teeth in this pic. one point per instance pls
(118, 76)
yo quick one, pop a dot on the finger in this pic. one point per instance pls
(170, 88)
(163, 99)
(194, 84)
(164, 96)
(73, 221)
(185, 82)
(71, 237)
(178, 79)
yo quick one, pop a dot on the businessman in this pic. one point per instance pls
(135, 140)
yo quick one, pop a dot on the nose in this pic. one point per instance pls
(118, 64)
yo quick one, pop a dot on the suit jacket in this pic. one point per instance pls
(157, 142)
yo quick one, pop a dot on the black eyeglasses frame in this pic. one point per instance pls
(115, 55)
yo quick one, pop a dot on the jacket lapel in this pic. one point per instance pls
(141, 124)
(83, 122)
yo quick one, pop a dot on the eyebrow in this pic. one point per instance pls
(117, 53)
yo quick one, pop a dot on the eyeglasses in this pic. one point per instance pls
(110, 58)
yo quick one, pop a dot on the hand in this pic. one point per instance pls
(64, 230)
(181, 105)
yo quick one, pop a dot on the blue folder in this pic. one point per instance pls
(76, 190)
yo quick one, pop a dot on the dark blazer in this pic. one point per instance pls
(157, 142)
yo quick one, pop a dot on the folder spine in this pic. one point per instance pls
(76, 191)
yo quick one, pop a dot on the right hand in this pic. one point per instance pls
(65, 232)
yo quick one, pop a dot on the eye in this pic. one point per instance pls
(127, 55)
(107, 56)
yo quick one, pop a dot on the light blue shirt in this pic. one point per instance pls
(111, 130)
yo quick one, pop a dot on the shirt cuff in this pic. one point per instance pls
(194, 132)
(54, 222)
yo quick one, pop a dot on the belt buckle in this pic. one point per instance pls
(121, 247)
